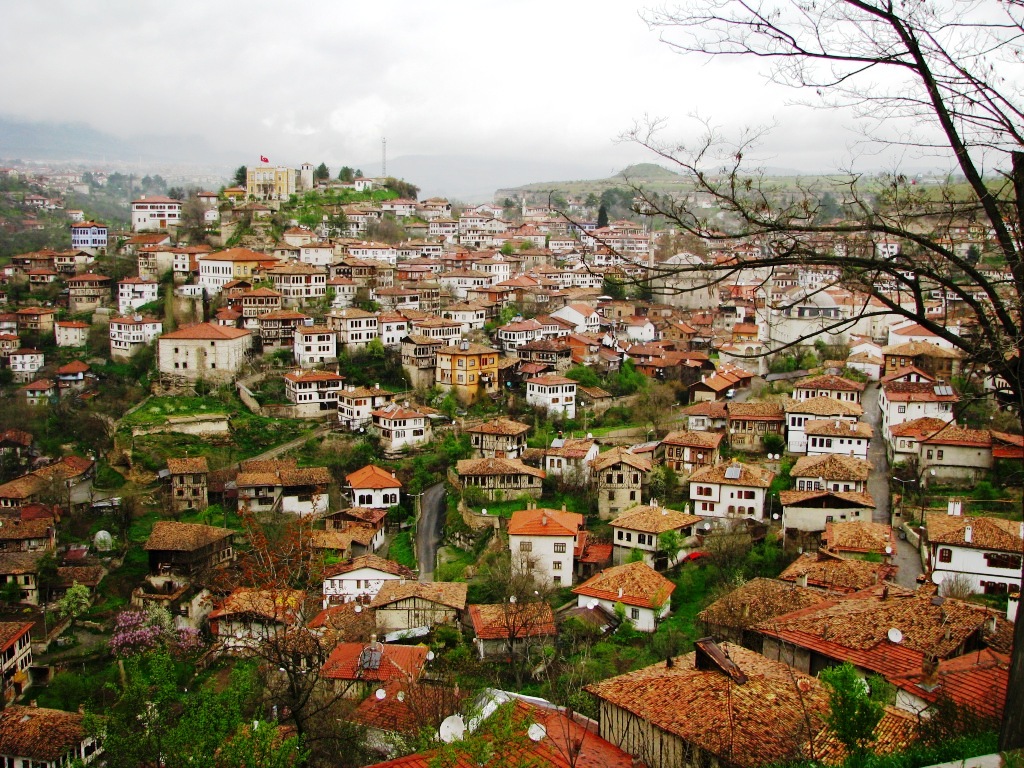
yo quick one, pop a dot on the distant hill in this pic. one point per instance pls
(648, 175)
(52, 141)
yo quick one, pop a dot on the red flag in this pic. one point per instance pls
(263, 159)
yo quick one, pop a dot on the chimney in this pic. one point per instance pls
(929, 671)
(544, 521)
(801, 580)
(885, 592)
(563, 507)
(745, 610)
(620, 592)
(954, 506)
(968, 534)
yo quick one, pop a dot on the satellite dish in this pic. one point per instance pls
(592, 604)
(359, 609)
(894, 635)
(483, 511)
(430, 655)
(452, 729)
(380, 694)
(888, 550)
(536, 732)
(401, 696)
(512, 599)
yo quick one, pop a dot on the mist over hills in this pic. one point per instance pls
(466, 178)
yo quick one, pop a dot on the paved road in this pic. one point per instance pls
(907, 558)
(878, 481)
(429, 529)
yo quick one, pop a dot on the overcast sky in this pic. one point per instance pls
(323, 80)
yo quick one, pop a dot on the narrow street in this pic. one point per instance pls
(429, 528)
(906, 556)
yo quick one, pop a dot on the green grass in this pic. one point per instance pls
(157, 410)
(401, 550)
(455, 563)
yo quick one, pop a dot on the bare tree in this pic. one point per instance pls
(932, 80)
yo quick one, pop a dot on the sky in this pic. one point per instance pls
(552, 82)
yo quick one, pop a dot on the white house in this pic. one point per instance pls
(203, 351)
(134, 292)
(584, 317)
(130, 334)
(357, 404)
(986, 551)
(544, 542)
(45, 738)
(513, 335)
(800, 412)
(88, 236)
(642, 591)
(393, 327)
(25, 364)
(904, 400)
(155, 213)
(356, 327)
(730, 490)
(832, 472)
(314, 345)
(828, 386)
(813, 508)
(360, 579)
(639, 528)
(281, 486)
(556, 394)
(374, 487)
(401, 426)
(846, 438)
(71, 333)
(571, 459)
(315, 393)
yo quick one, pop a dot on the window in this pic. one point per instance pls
(556, 579)
(634, 614)
(560, 547)
(619, 536)
(1003, 560)
(945, 555)
(938, 454)
(901, 409)
(611, 495)
(556, 565)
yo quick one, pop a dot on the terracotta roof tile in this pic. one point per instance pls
(618, 455)
(449, 593)
(750, 476)
(708, 440)
(761, 722)
(478, 467)
(497, 621)
(832, 467)
(188, 466)
(756, 601)
(651, 519)
(631, 584)
(829, 382)
(544, 522)
(370, 561)
(824, 406)
(39, 733)
(372, 476)
(832, 571)
(986, 532)
(859, 536)
(396, 662)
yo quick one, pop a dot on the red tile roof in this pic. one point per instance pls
(397, 662)
(498, 621)
(373, 477)
(544, 522)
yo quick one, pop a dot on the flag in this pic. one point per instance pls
(263, 159)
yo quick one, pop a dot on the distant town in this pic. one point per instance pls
(301, 469)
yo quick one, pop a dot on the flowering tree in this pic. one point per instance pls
(139, 632)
